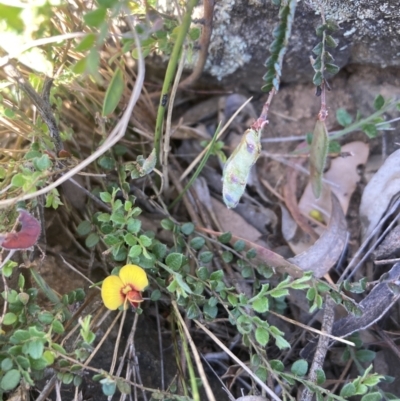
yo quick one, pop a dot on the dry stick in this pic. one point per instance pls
(47, 389)
(322, 348)
(237, 360)
(196, 355)
(203, 152)
(168, 133)
(115, 356)
(204, 44)
(117, 133)
(320, 332)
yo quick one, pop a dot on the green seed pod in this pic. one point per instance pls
(237, 168)
(318, 155)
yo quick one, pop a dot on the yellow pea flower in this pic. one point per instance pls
(126, 287)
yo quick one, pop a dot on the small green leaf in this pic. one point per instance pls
(197, 243)
(300, 367)
(18, 180)
(277, 293)
(187, 228)
(84, 228)
(42, 163)
(343, 117)
(174, 261)
(167, 224)
(92, 240)
(227, 256)
(10, 380)
(108, 386)
(35, 349)
(114, 93)
(7, 364)
(332, 68)
(262, 336)
(86, 43)
(210, 310)
(261, 304)
(365, 355)
(203, 273)
(106, 162)
(57, 327)
(9, 318)
(330, 42)
(379, 102)
(277, 365)
(317, 79)
(239, 246)
(123, 386)
(348, 390)
(376, 396)
(105, 197)
(96, 17)
(225, 238)
(370, 130)
(317, 50)
(206, 257)
(321, 378)
(281, 343)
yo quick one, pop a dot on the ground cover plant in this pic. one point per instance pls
(119, 277)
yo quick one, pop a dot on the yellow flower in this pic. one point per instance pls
(124, 288)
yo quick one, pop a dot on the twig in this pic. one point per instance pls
(320, 332)
(237, 360)
(322, 348)
(47, 389)
(196, 355)
(204, 44)
(121, 325)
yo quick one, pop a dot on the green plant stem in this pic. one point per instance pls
(359, 124)
(169, 75)
(199, 168)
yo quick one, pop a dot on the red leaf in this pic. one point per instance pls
(26, 237)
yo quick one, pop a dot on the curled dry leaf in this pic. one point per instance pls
(26, 237)
(379, 192)
(321, 256)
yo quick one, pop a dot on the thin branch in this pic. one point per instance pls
(204, 44)
(322, 348)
